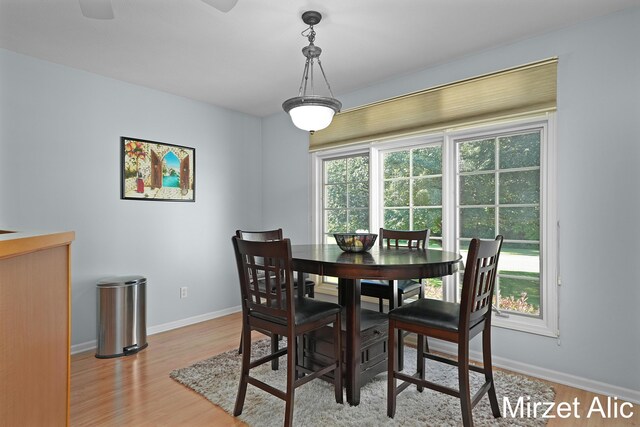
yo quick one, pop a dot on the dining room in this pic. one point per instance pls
(523, 127)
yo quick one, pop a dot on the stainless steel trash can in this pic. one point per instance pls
(122, 316)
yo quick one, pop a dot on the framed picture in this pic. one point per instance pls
(153, 170)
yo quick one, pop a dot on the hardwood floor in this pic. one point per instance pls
(137, 391)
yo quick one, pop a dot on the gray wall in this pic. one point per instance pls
(59, 170)
(598, 199)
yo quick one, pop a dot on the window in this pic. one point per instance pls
(412, 195)
(345, 195)
(498, 180)
(505, 184)
(477, 182)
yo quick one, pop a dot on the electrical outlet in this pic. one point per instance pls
(183, 292)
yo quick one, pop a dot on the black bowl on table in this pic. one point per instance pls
(355, 242)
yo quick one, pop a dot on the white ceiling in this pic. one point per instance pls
(250, 59)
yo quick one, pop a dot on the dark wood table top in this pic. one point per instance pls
(378, 263)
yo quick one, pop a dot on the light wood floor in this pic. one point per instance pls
(137, 391)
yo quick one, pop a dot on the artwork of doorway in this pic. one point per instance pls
(156, 171)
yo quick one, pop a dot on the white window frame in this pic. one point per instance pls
(317, 182)
(547, 323)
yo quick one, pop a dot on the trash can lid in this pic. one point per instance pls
(121, 281)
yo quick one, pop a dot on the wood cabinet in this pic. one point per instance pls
(35, 320)
(374, 326)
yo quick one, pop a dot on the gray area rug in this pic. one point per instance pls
(217, 380)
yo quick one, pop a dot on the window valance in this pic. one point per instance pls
(514, 92)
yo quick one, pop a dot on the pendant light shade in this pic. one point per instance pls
(309, 111)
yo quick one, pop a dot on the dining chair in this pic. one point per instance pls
(276, 308)
(267, 235)
(383, 289)
(309, 285)
(453, 322)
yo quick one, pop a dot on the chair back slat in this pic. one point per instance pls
(416, 239)
(260, 236)
(266, 282)
(479, 281)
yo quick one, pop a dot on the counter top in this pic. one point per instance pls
(13, 243)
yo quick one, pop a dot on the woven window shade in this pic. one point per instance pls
(515, 92)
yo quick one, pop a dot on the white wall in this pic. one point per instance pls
(59, 170)
(598, 138)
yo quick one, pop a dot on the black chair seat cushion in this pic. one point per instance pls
(404, 286)
(307, 283)
(307, 310)
(430, 313)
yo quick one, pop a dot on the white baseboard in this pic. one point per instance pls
(83, 346)
(545, 374)
(191, 320)
(91, 345)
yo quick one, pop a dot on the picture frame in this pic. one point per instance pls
(152, 170)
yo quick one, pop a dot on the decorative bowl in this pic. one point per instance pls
(355, 242)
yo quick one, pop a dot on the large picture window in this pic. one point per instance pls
(476, 182)
(498, 180)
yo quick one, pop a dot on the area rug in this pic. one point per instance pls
(217, 380)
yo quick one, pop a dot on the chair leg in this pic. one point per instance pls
(337, 354)
(463, 380)
(341, 291)
(488, 372)
(420, 362)
(391, 379)
(275, 363)
(380, 306)
(291, 378)
(311, 291)
(240, 346)
(400, 341)
(246, 360)
(299, 355)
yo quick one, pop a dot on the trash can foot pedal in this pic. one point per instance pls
(133, 349)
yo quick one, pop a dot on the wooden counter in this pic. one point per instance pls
(35, 328)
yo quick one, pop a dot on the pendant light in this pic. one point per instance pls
(309, 111)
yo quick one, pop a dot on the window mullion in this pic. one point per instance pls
(497, 188)
(449, 211)
(411, 182)
(376, 190)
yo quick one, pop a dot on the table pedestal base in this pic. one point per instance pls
(318, 347)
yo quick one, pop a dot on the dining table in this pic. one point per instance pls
(380, 263)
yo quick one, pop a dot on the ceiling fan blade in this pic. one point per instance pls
(222, 5)
(96, 9)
